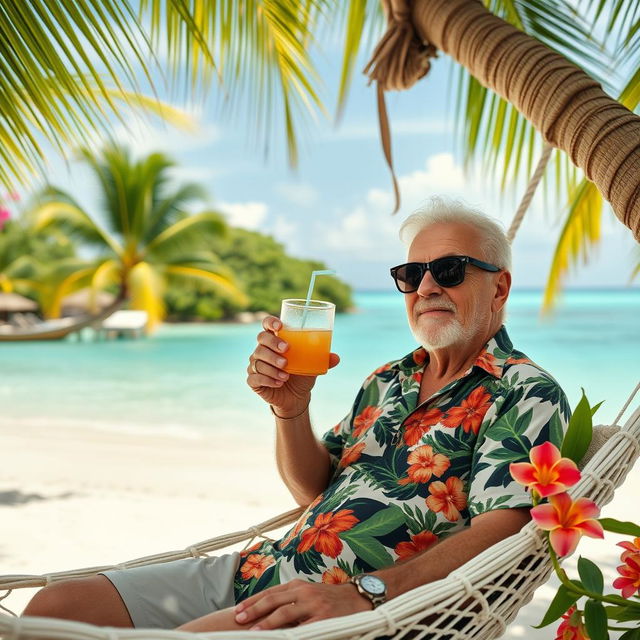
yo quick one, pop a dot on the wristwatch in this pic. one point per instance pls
(370, 587)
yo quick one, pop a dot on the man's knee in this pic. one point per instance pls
(94, 600)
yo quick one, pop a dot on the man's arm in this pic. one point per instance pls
(303, 462)
(299, 602)
(439, 561)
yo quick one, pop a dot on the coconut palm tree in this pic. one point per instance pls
(141, 238)
(53, 83)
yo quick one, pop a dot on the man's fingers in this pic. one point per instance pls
(267, 356)
(271, 323)
(272, 342)
(262, 368)
(334, 359)
(286, 615)
(265, 604)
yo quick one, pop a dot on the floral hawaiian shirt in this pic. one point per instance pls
(406, 475)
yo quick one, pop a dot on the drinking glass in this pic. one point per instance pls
(307, 328)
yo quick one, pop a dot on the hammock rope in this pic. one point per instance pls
(626, 406)
(529, 193)
(498, 582)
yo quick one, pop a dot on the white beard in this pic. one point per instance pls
(449, 332)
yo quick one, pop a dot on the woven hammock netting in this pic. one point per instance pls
(568, 107)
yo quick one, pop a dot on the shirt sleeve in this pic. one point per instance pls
(335, 440)
(526, 415)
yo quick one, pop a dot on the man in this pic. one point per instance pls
(409, 486)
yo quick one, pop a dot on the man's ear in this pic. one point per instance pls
(503, 286)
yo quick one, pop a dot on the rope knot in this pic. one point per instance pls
(401, 57)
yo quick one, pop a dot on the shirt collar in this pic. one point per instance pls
(491, 359)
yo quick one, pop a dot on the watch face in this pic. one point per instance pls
(373, 585)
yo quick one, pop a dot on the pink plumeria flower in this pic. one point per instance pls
(571, 627)
(629, 548)
(548, 474)
(567, 521)
(5, 214)
(629, 583)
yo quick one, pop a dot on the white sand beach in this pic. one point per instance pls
(73, 498)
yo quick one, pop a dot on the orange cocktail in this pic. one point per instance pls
(308, 352)
(307, 326)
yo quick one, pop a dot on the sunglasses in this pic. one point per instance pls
(447, 272)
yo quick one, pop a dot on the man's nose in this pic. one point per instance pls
(428, 286)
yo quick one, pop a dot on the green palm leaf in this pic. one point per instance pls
(146, 288)
(581, 230)
(185, 235)
(210, 277)
(258, 48)
(58, 209)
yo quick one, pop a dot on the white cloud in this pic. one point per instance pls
(144, 137)
(248, 215)
(303, 195)
(369, 231)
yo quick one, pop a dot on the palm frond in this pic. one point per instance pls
(57, 209)
(146, 290)
(491, 129)
(581, 230)
(260, 50)
(214, 280)
(357, 15)
(167, 209)
(56, 60)
(186, 235)
(66, 278)
(106, 274)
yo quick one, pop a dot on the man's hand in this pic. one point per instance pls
(300, 602)
(288, 394)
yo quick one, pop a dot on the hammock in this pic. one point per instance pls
(479, 599)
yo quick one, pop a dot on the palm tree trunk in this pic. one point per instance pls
(568, 107)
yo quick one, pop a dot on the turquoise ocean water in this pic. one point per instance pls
(189, 378)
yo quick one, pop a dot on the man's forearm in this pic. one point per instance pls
(303, 462)
(439, 561)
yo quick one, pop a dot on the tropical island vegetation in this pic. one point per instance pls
(143, 244)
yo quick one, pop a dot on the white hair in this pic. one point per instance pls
(493, 248)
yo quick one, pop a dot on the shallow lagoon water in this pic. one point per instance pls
(191, 377)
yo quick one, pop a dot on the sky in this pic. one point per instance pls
(336, 207)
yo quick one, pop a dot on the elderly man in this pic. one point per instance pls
(409, 486)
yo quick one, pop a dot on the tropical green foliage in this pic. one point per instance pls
(66, 65)
(264, 271)
(142, 236)
(26, 257)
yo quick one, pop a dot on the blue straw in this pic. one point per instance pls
(323, 272)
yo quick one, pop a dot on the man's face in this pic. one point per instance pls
(441, 317)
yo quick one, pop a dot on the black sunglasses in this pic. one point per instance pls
(447, 272)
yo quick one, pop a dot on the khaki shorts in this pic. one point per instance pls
(167, 595)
